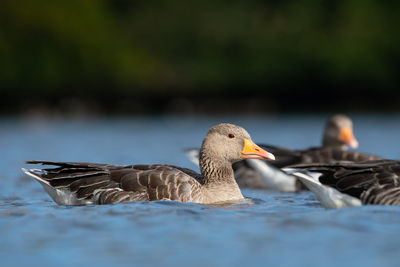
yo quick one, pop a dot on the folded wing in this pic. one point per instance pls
(374, 182)
(90, 183)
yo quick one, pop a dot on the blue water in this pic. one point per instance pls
(276, 229)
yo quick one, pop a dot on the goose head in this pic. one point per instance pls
(339, 132)
(231, 143)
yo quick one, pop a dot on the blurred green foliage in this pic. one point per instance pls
(193, 45)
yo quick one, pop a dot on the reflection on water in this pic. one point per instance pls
(268, 228)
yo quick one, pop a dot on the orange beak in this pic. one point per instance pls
(252, 151)
(347, 136)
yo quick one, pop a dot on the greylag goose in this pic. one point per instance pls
(77, 183)
(342, 184)
(338, 135)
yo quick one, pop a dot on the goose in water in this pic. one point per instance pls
(343, 184)
(338, 135)
(79, 183)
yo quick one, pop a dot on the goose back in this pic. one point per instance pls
(373, 182)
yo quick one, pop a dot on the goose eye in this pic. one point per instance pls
(231, 135)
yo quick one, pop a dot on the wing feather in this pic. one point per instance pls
(109, 184)
(374, 182)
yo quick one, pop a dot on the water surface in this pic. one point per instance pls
(277, 229)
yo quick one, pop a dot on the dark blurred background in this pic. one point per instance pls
(199, 56)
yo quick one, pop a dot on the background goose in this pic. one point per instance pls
(90, 183)
(344, 184)
(338, 135)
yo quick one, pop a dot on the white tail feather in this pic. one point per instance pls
(273, 178)
(62, 196)
(329, 197)
(193, 155)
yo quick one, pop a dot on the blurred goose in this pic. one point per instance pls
(343, 184)
(90, 183)
(338, 135)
